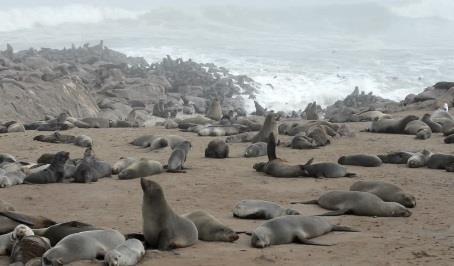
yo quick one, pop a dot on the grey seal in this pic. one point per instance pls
(53, 174)
(256, 150)
(128, 253)
(386, 191)
(178, 157)
(211, 229)
(260, 209)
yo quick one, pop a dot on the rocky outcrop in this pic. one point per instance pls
(432, 97)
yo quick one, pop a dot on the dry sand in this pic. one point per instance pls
(216, 185)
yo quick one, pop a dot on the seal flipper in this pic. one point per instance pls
(18, 217)
(335, 213)
(271, 147)
(310, 242)
(244, 232)
(341, 228)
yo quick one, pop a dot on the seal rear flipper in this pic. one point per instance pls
(310, 242)
(18, 217)
(335, 213)
(341, 228)
(305, 202)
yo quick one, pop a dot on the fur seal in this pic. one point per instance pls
(413, 127)
(260, 209)
(440, 161)
(293, 229)
(141, 168)
(10, 219)
(214, 111)
(217, 149)
(302, 142)
(28, 248)
(151, 141)
(358, 203)
(400, 157)
(128, 253)
(419, 159)
(90, 169)
(83, 141)
(211, 229)
(360, 160)
(449, 139)
(391, 125)
(434, 126)
(240, 138)
(174, 140)
(122, 164)
(325, 170)
(57, 232)
(424, 133)
(269, 126)
(8, 240)
(7, 158)
(16, 127)
(216, 131)
(178, 157)
(55, 173)
(256, 150)
(162, 227)
(385, 191)
(11, 178)
(90, 245)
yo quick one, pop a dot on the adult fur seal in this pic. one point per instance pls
(10, 219)
(360, 160)
(358, 203)
(128, 253)
(178, 157)
(89, 245)
(269, 126)
(241, 138)
(277, 167)
(151, 141)
(294, 229)
(215, 111)
(53, 174)
(387, 125)
(419, 159)
(217, 149)
(211, 229)
(90, 169)
(260, 209)
(162, 228)
(122, 164)
(256, 150)
(385, 191)
(325, 170)
(400, 157)
(440, 161)
(57, 232)
(141, 168)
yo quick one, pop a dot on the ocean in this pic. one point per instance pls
(299, 51)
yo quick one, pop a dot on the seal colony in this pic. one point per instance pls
(172, 218)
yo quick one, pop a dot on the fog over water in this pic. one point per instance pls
(304, 50)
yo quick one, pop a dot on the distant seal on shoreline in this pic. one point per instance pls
(413, 127)
(360, 160)
(141, 168)
(55, 173)
(419, 159)
(269, 126)
(385, 191)
(260, 209)
(293, 229)
(400, 157)
(211, 229)
(162, 227)
(391, 125)
(128, 253)
(302, 142)
(83, 141)
(90, 245)
(96, 122)
(358, 203)
(178, 157)
(217, 149)
(256, 150)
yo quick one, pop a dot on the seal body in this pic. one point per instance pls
(211, 229)
(87, 245)
(256, 150)
(28, 248)
(360, 203)
(90, 169)
(215, 111)
(360, 160)
(10, 219)
(419, 159)
(122, 164)
(395, 126)
(240, 138)
(400, 157)
(449, 139)
(141, 168)
(57, 232)
(434, 126)
(385, 191)
(269, 126)
(162, 228)
(178, 157)
(53, 174)
(128, 253)
(440, 161)
(217, 149)
(293, 229)
(260, 209)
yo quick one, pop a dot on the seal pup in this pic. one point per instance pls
(214, 111)
(217, 149)
(28, 248)
(128, 253)
(90, 169)
(260, 209)
(360, 160)
(211, 229)
(141, 168)
(178, 157)
(294, 229)
(57, 232)
(440, 161)
(256, 150)
(391, 125)
(11, 178)
(90, 245)
(55, 173)
(399, 157)
(325, 170)
(83, 141)
(419, 159)
(122, 164)
(385, 191)
(162, 227)
(10, 219)
(358, 203)
(269, 126)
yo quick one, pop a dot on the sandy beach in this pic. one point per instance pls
(216, 185)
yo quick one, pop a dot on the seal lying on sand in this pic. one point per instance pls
(387, 125)
(211, 229)
(141, 168)
(325, 170)
(128, 253)
(256, 150)
(419, 159)
(293, 229)
(400, 157)
(162, 227)
(90, 169)
(55, 173)
(440, 161)
(28, 248)
(10, 219)
(360, 160)
(217, 149)
(358, 203)
(122, 164)
(89, 245)
(385, 191)
(260, 209)
(57, 232)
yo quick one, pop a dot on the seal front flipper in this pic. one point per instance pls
(341, 228)
(310, 242)
(335, 213)
(164, 242)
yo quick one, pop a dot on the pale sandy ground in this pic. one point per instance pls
(425, 238)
